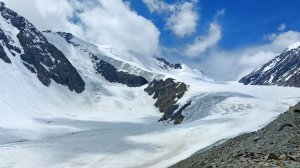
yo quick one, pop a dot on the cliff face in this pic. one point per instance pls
(168, 92)
(276, 145)
(111, 74)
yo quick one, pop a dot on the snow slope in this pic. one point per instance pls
(112, 125)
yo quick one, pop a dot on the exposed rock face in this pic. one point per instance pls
(38, 55)
(3, 55)
(96, 55)
(111, 74)
(164, 64)
(68, 36)
(276, 145)
(284, 70)
(167, 94)
(107, 70)
(9, 43)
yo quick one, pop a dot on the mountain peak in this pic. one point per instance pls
(283, 70)
(164, 64)
(35, 52)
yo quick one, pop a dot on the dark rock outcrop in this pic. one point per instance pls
(40, 56)
(167, 94)
(68, 37)
(164, 64)
(276, 145)
(3, 55)
(284, 70)
(111, 74)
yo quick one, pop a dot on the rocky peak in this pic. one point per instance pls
(283, 70)
(164, 64)
(37, 54)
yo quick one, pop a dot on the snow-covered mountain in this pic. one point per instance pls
(283, 70)
(115, 65)
(22, 40)
(69, 103)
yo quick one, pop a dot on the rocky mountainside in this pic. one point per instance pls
(21, 39)
(283, 70)
(57, 88)
(107, 54)
(167, 93)
(276, 145)
(117, 66)
(47, 55)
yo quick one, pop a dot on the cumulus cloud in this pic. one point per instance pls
(203, 43)
(114, 23)
(234, 64)
(97, 21)
(183, 21)
(182, 16)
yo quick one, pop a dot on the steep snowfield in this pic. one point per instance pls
(111, 125)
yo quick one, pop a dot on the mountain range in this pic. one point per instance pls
(68, 103)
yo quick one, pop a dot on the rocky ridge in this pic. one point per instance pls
(164, 64)
(283, 70)
(111, 74)
(276, 145)
(37, 54)
(95, 55)
(168, 92)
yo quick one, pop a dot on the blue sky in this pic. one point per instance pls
(252, 33)
(245, 22)
(224, 38)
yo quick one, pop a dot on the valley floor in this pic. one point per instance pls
(65, 130)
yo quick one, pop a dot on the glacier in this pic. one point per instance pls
(112, 125)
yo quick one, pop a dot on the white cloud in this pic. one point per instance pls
(183, 21)
(46, 14)
(282, 27)
(114, 23)
(234, 64)
(202, 44)
(98, 21)
(158, 6)
(182, 16)
(286, 38)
